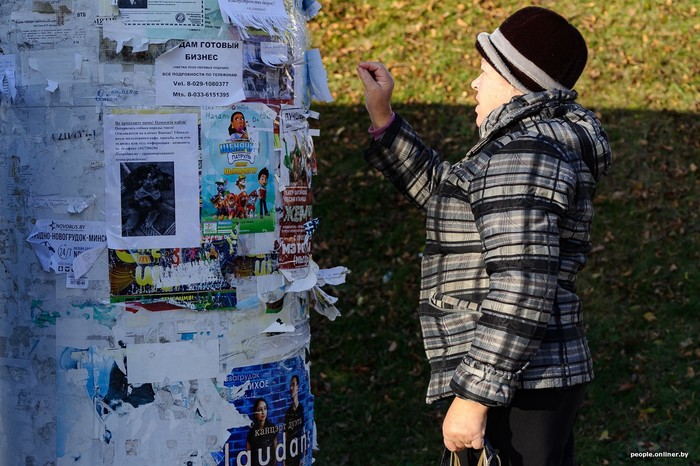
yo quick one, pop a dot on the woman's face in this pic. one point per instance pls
(492, 91)
(260, 412)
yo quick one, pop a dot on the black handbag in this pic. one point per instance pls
(469, 457)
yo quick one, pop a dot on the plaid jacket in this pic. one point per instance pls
(508, 228)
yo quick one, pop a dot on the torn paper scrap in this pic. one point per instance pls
(7, 76)
(332, 276)
(57, 243)
(273, 53)
(325, 304)
(63, 204)
(85, 260)
(311, 8)
(279, 327)
(318, 77)
(267, 15)
(304, 283)
(52, 67)
(159, 362)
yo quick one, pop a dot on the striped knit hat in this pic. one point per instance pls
(535, 49)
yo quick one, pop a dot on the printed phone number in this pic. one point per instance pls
(207, 83)
(202, 94)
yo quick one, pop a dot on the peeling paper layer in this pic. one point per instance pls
(7, 76)
(267, 15)
(318, 77)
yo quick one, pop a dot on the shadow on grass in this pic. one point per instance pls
(640, 288)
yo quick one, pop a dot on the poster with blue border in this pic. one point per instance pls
(277, 398)
(238, 169)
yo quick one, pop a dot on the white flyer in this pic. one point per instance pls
(152, 180)
(200, 73)
(58, 242)
(184, 14)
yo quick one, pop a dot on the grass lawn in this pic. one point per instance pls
(641, 287)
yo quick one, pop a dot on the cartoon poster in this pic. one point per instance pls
(152, 182)
(238, 169)
(277, 398)
(159, 279)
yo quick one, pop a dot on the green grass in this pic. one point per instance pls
(641, 287)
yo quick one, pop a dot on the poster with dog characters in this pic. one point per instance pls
(237, 169)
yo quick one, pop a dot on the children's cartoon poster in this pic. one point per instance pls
(277, 398)
(238, 169)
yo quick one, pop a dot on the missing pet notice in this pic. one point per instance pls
(152, 181)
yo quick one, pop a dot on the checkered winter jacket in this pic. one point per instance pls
(508, 228)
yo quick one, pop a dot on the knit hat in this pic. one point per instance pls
(535, 49)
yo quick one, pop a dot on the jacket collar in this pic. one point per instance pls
(516, 109)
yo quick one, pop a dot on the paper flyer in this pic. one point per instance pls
(162, 13)
(268, 74)
(277, 399)
(268, 15)
(297, 168)
(160, 279)
(200, 73)
(238, 184)
(51, 31)
(58, 242)
(152, 182)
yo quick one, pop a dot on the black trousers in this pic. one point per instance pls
(536, 429)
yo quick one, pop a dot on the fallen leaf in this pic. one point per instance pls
(625, 387)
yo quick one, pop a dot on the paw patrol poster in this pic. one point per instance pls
(237, 169)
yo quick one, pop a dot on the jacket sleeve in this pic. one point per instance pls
(517, 201)
(402, 157)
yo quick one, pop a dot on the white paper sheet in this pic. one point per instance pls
(200, 73)
(186, 360)
(152, 182)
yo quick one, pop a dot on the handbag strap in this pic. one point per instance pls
(449, 458)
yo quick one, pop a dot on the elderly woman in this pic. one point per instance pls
(508, 228)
